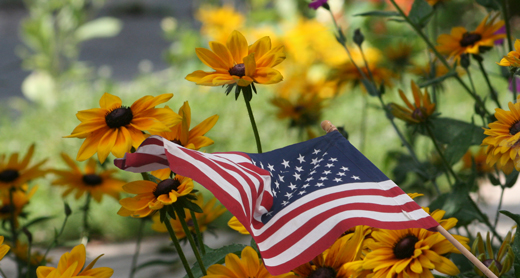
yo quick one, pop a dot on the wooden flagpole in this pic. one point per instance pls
(329, 127)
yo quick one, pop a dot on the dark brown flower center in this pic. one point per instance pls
(6, 209)
(177, 141)
(515, 128)
(418, 114)
(238, 70)
(469, 39)
(405, 247)
(488, 263)
(166, 186)
(92, 179)
(9, 175)
(119, 117)
(323, 272)
(299, 108)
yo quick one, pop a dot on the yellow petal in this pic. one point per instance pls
(223, 53)
(89, 146)
(260, 47)
(109, 102)
(106, 143)
(272, 58)
(237, 45)
(210, 59)
(267, 76)
(203, 127)
(250, 65)
(140, 187)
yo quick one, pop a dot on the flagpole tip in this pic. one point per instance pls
(328, 126)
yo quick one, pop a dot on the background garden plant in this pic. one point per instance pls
(428, 96)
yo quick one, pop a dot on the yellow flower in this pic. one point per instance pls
(331, 262)
(14, 173)
(21, 250)
(503, 139)
(234, 224)
(419, 112)
(153, 196)
(71, 265)
(479, 159)
(236, 62)
(399, 55)
(116, 128)
(303, 111)
(218, 22)
(211, 211)
(462, 41)
(21, 197)
(4, 248)
(512, 59)
(89, 180)
(413, 252)
(247, 266)
(181, 134)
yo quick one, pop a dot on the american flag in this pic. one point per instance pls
(294, 201)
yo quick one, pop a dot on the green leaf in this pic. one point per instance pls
(380, 13)
(156, 262)
(37, 220)
(447, 130)
(420, 13)
(489, 4)
(437, 79)
(103, 27)
(215, 256)
(193, 206)
(511, 179)
(494, 180)
(515, 245)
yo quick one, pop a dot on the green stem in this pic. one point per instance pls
(86, 227)
(55, 241)
(200, 240)
(14, 234)
(190, 238)
(178, 247)
(470, 236)
(497, 215)
(505, 13)
(137, 247)
(253, 124)
(29, 259)
(486, 220)
(439, 151)
(492, 91)
(437, 54)
(367, 67)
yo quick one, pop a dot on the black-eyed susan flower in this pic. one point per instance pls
(303, 110)
(20, 198)
(4, 248)
(413, 252)
(478, 159)
(153, 196)
(399, 56)
(498, 261)
(114, 128)
(331, 262)
(182, 135)
(71, 265)
(210, 212)
(418, 112)
(461, 41)
(234, 224)
(219, 22)
(512, 59)
(236, 62)
(90, 180)
(14, 173)
(503, 139)
(249, 265)
(21, 253)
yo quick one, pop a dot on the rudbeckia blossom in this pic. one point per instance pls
(218, 22)
(461, 41)
(413, 252)
(71, 265)
(479, 158)
(89, 180)
(236, 62)
(415, 113)
(153, 196)
(4, 248)
(499, 262)
(20, 199)
(21, 251)
(512, 59)
(210, 212)
(14, 173)
(331, 262)
(234, 224)
(116, 128)
(249, 265)
(304, 111)
(182, 135)
(503, 139)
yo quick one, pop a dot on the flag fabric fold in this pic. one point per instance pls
(294, 201)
